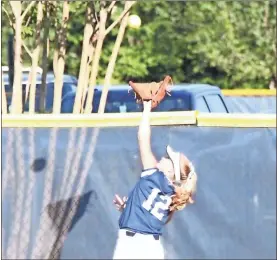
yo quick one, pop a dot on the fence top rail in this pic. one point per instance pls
(249, 92)
(97, 120)
(236, 120)
(133, 119)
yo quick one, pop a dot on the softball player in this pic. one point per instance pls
(164, 187)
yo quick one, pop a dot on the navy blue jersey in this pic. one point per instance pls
(147, 207)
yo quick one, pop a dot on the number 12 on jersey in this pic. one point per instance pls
(154, 207)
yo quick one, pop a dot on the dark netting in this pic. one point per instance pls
(58, 186)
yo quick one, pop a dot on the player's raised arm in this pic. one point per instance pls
(144, 138)
(155, 92)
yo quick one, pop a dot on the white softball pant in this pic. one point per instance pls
(139, 246)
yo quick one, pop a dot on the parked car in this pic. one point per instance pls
(184, 97)
(25, 70)
(69, 86)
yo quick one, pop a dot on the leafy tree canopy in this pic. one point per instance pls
(231, 44)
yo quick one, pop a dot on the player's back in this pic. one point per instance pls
(147, 208)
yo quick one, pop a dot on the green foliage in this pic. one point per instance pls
(232, 38)
(230, 44)
(154, 50)
(223, 43)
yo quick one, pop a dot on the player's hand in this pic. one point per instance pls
(119, 203)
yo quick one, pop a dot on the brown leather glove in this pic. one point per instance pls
(154, 91)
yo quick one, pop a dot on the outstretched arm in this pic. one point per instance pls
(144, 138)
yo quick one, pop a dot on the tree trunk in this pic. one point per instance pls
(82, 82)
(45, 53)
(17, 85)
(113, 57)
(55, 57)
(56, 51)
(35, 58)
(60, 61)
(91, 52)
(95, 64)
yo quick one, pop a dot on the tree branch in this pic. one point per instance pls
(9, 18)
(82, 79)
(119, 18)
(28, 21)
(96, 58)
(110, 8)
(27, 49)
(95, 13)
(27, 9)
(113, 58)
(16, 8)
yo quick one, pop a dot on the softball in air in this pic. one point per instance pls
(134, 21)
